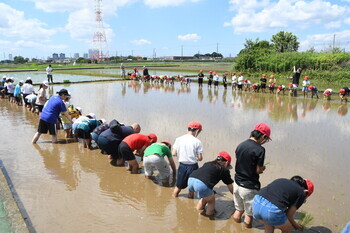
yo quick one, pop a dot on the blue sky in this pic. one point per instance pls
(38, 28)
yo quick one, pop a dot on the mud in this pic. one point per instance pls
(66, 188)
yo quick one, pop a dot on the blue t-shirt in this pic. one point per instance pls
(17, 90)
(52, 109)
(88, 125)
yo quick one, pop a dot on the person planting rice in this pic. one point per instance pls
(17, 93)
(256, 87)
(280, 88)
(272, 82)
(135, 144)
(275, 205)
(200, 78)
(85, 128)
(154, 159)
(247, 84)
(314, 91)
(42, 96)
(50, 114)
(234, 81)
(250, 157)
(344, 94)
(206, 177)
(292, 89)
(189, 150)
(306, 84)
(327, 94)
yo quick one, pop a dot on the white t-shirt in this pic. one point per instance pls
(216, 77)
(306, 83)
(10, 88)
(27, 88)
(234, 79)
(187, 148)
(240, 80)
(49, 70)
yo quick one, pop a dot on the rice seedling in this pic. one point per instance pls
(305, 219)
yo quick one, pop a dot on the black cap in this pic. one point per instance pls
(63, 92)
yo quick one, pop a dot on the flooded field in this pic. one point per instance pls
(66, 188)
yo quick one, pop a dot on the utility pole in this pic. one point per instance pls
(182, 51)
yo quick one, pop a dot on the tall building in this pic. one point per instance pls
(62, 56)
(10, 57)
(76, 55)
(86, 55)
(55, 56)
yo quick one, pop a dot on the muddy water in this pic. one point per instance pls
(66, 188)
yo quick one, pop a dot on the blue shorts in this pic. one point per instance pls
(305, 89)
(195, 185)
(183, 173)
(265, 210)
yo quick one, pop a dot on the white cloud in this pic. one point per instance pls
(324, 41)
(189, 37)
(253, 16)
(14, 24)
(141, 42)
(347, 20)
(165, 3)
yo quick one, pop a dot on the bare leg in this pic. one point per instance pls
(201, 204)
(268, 228)
(237, 216)
(36, 137)
(134, 166)
(210, 205)
(176, 192)
(248, 220)
(54, 138)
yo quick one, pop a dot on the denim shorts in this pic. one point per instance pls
(195, 185)
(265, 210)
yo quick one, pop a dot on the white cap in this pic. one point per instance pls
(79, 109)
(21, 81)
(4, 77)
(103, 121)
(92, 115)
(29, 78)
(46, 83)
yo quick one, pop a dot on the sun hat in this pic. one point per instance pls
(63, 92)
(153, 137)
(92, 115)
(310, 187)
(194, 125)
(264, 129)
(46, 83)
(225, 155)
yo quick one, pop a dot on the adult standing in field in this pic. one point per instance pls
(295, 80)
(49, 73)
(122, 71)
(275, 205)
(200, 78)
(189, 150)
(135, 144)
(210, 78)
(250, 157)
(145, 73)
(50, 114)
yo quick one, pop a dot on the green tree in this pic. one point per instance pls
(19, 60)
(285, 42)
(250, 45)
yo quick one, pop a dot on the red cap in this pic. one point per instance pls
(245, 80)
(264, 75)
(254, 85)
(214, 72)
(233, 72)
(306, 77)
(290, 84)
(263, 128)
(279, 87)
(327, 92)
(225, 155)
(310, 187)
(342, 91)
(194, 125)
(272, 76)
(210, 71)
(240, 73)
(226, 73)
(200, 71)
(153, 137)
(167, 143)
(311, 87)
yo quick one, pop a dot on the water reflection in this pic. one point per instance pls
(278, 107)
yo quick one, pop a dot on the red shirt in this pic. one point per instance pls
(137, 141)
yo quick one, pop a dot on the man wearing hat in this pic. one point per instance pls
(189, 150)
(250, 157)
(50, 115)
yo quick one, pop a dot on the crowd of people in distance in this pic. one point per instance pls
(238, 82)
(274, 205)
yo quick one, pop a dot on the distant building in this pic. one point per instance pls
(55, 56)
(10, 57)
(178, 58)
(62, 56)
(76, 55)
(86, 55)
(92, 52)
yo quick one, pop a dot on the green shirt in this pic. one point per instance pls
(159, 149)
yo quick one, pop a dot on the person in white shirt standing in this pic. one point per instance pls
(49, 73)
(189, 150)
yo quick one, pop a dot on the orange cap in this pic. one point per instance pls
(264, 75)
(310, 187)
(306, 77)
(225, 155)
(194, 125)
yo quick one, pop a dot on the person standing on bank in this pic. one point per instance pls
(250, 157)
(50, 115)
(189, 150)
(49, 73)
(275, 205)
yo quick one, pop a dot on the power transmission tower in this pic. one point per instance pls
(99, 41)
